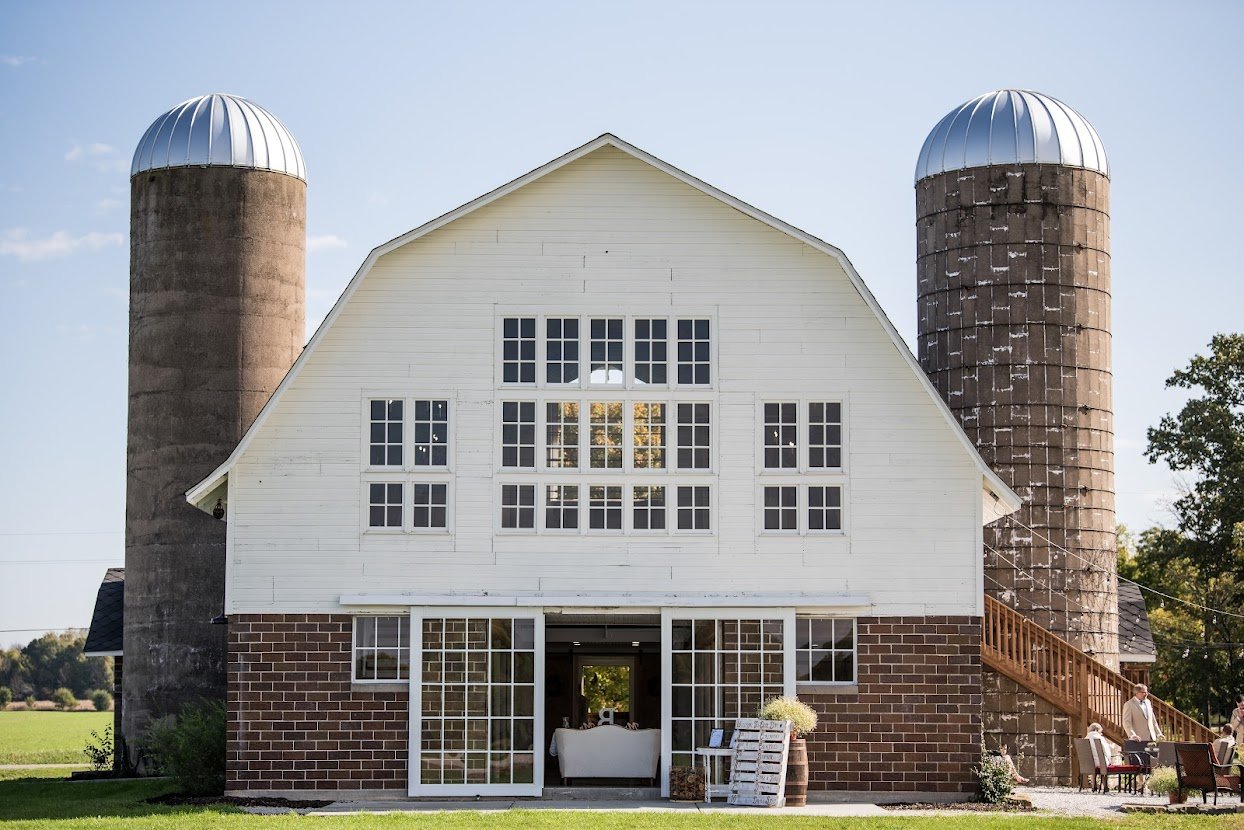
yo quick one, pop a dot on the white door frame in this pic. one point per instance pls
(786, 615)
(413, 786)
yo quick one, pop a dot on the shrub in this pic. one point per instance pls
(191, 748)
(64, 699)
(994, 779)
(6, 696)
(802, 717)
(101, 700)
(30, 701)
(99, 749)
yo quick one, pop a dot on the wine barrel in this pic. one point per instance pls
(797, 773)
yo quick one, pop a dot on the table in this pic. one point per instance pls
(709, 753)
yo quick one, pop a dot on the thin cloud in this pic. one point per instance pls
(17, 242)
(107, 205)
(324, 242)
(103, 157)
(15, 60)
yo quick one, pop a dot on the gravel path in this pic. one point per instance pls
(1069, 801)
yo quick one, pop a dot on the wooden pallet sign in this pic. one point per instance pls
(758, 769)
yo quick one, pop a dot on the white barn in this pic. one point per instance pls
(603, 415)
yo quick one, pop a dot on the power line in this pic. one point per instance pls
(58, 561)
(46, 628)
(61, 532)
(1093, 565)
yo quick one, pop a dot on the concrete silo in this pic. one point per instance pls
(1013, 253)
(217, 317)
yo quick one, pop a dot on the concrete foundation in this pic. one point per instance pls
(217, 316)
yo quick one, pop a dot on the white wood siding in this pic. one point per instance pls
(606, 234)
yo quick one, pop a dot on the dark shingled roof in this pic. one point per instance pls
(1135, 638)
(106, 624)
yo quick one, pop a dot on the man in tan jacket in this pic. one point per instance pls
(1138, 721)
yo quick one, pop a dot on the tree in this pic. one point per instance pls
(1201, 560)
(56, 660)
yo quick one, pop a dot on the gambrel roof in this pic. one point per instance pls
(997, 498)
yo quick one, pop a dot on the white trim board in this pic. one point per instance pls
(836, 602)
(1004, 500)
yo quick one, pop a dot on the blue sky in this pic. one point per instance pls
(812, 112)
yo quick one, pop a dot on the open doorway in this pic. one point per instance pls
(606, 687)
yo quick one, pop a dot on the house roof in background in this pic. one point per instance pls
(107, 623)
(1135, 636)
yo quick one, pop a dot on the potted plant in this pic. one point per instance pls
(802, 719)
(1164, 781)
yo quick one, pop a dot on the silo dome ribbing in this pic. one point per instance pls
(1013, 268)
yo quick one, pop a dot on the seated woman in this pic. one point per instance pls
(1224, 747)
(1010, 766)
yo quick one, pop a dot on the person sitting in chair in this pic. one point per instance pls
(1224, 747)
(1007, 762)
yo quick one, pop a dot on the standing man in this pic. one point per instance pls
(1138, 720)
(1237, 720)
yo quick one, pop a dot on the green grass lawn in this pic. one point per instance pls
(46, 804)
(48, 737)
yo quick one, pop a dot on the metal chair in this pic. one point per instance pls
(1196, 770)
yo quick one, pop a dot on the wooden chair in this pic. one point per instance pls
(1088, 764)
(1196, 770)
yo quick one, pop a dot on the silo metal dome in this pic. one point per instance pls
(219, 131)
(1011, 126)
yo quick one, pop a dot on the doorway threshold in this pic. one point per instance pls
(601, 794)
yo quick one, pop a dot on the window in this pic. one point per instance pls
(651, 347)
(693, 352)
(385, 505)
(381, 649)
(606, 351)
(561, 507)
(518, 506)
(518, 350)
(825, 435)
(431, 433)
(605, 433)
(561, 441)
(693, 508)
(781, 436)
(604, 509)
(824, 650)
(693, 436)
(824, 508)
(648, 433)
(648, 511)
(561, 349)
(430, 505)
(386, 433)
(518, 434)
(781, 508)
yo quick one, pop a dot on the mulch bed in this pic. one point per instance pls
(962, 806)
(203, 800)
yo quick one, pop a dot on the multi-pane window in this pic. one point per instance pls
(694, 349)
(561, 349)
(518, 506)
(386, 433)
(648, 508)
(381, 648)
(651, 351)
(606, 351)
(561, 507)
(825, 508)
(648, 435)
(781, 436)
(518, 434)
(824, 650)
(605, 435)
(518, 350)
(693, 436)
(782, 508)
(561, 434)
(431, 433)
(604, 507)
(825, 435)
(430, 504)
(384, 504)
(693, 508)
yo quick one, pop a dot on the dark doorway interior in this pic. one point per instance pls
(586, 656)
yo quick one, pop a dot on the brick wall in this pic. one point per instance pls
(915, 723)
(296, 722)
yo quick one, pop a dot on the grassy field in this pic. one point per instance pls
(46, 804)
(48, 737)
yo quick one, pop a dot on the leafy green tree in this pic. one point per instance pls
(64, 699)
(56, 660)
(6, 697)
(607, 687)
(1201, 560)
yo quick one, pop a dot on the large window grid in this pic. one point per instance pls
(607, 352)
(606, 435)
(561, 435)
(431, 426)
(694, 508)
(781, 508)
(518, 434)
(385, 433)
(477, 716)
(385, 505)
(518, 350)
(561, 507)
(824, 508)
(825, 435)
(652, 351)
(781, 431)
(518, 507)
(561, 350)
(694, 352)
(824, 650)
(430, 506)
(694, 436)
(381, 649)
(648, 511)
(605, 507)
(648, 435)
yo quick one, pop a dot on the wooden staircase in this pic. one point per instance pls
(1058, 672)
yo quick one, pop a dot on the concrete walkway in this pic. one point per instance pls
(502, 805)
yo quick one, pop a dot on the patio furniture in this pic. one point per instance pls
(607, 752)
(1196, 770)
(713, 785)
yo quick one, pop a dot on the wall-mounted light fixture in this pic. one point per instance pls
(218, 512)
